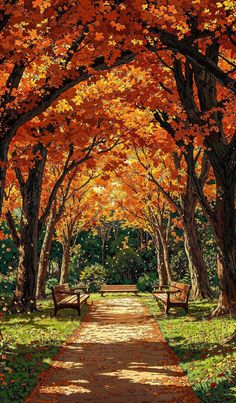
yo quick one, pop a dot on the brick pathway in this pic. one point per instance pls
(117, 355)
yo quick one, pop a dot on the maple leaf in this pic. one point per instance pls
(99, 36)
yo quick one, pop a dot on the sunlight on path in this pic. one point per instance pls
(117, 355)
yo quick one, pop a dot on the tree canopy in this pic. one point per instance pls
(118, 110)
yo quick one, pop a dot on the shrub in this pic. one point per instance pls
(50, 283)
(146, 281)
(93, 276)
(179, 264)
(125, 267)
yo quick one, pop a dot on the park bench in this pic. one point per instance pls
(118, 288)
(177, 295)
(66, 297)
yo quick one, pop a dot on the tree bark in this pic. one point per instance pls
(222, 156)
(104, 231)
(44, 256)
(103, 251)
(25, 293)
(161, 267)
(226, 244)
(4, 146)
(222, 220)
(66, 244)
(166, 255)
(197, 266)
(65, 261)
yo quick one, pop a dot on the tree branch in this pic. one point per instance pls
(52, 93)
(193, 54)
(199, 188)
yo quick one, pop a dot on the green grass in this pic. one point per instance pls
(32, 340)
(30, 343)
(209, 364)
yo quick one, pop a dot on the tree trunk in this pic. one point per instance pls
(44, 256)
(197, 267)
(166, 257)
(4, 145)
(226, 244)
(103, 251)
(65, 260)
(223, 222)
(198, 271)
(221, 154)
(24, 298)
(25, 293)
(161, 267)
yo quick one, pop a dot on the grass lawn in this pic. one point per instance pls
(209, 364)
(30, 343)
(32, 340)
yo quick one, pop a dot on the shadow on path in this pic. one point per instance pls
(118, 355)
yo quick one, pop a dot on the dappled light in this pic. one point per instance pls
(117, 354)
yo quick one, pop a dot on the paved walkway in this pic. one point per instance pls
(117, 355)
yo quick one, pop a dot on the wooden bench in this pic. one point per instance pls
(118, 288)
(66, 297)
(177, 295)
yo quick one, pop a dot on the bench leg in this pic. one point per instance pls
(79, 311)
(167, 310)
(55, 311)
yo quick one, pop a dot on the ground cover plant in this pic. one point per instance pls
(209, 363)
(30, 343)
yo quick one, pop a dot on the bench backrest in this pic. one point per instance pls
(57, 292)
(109, 287)
(184, 290)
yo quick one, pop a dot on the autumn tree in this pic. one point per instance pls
(187, 47)
(47, 49)
(72, 186)
(32, 222)
(201, 122)
(76, 218)
(176, 187)
(136, 202)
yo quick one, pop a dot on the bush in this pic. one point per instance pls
(179, 264)
(93, 276)
(146, 281)
(8, 283)
(50, 283)
(8, 252)
(125, 267)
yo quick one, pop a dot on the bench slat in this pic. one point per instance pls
(118, 287)
(64, 297)
(83, 298)
(72, 299)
